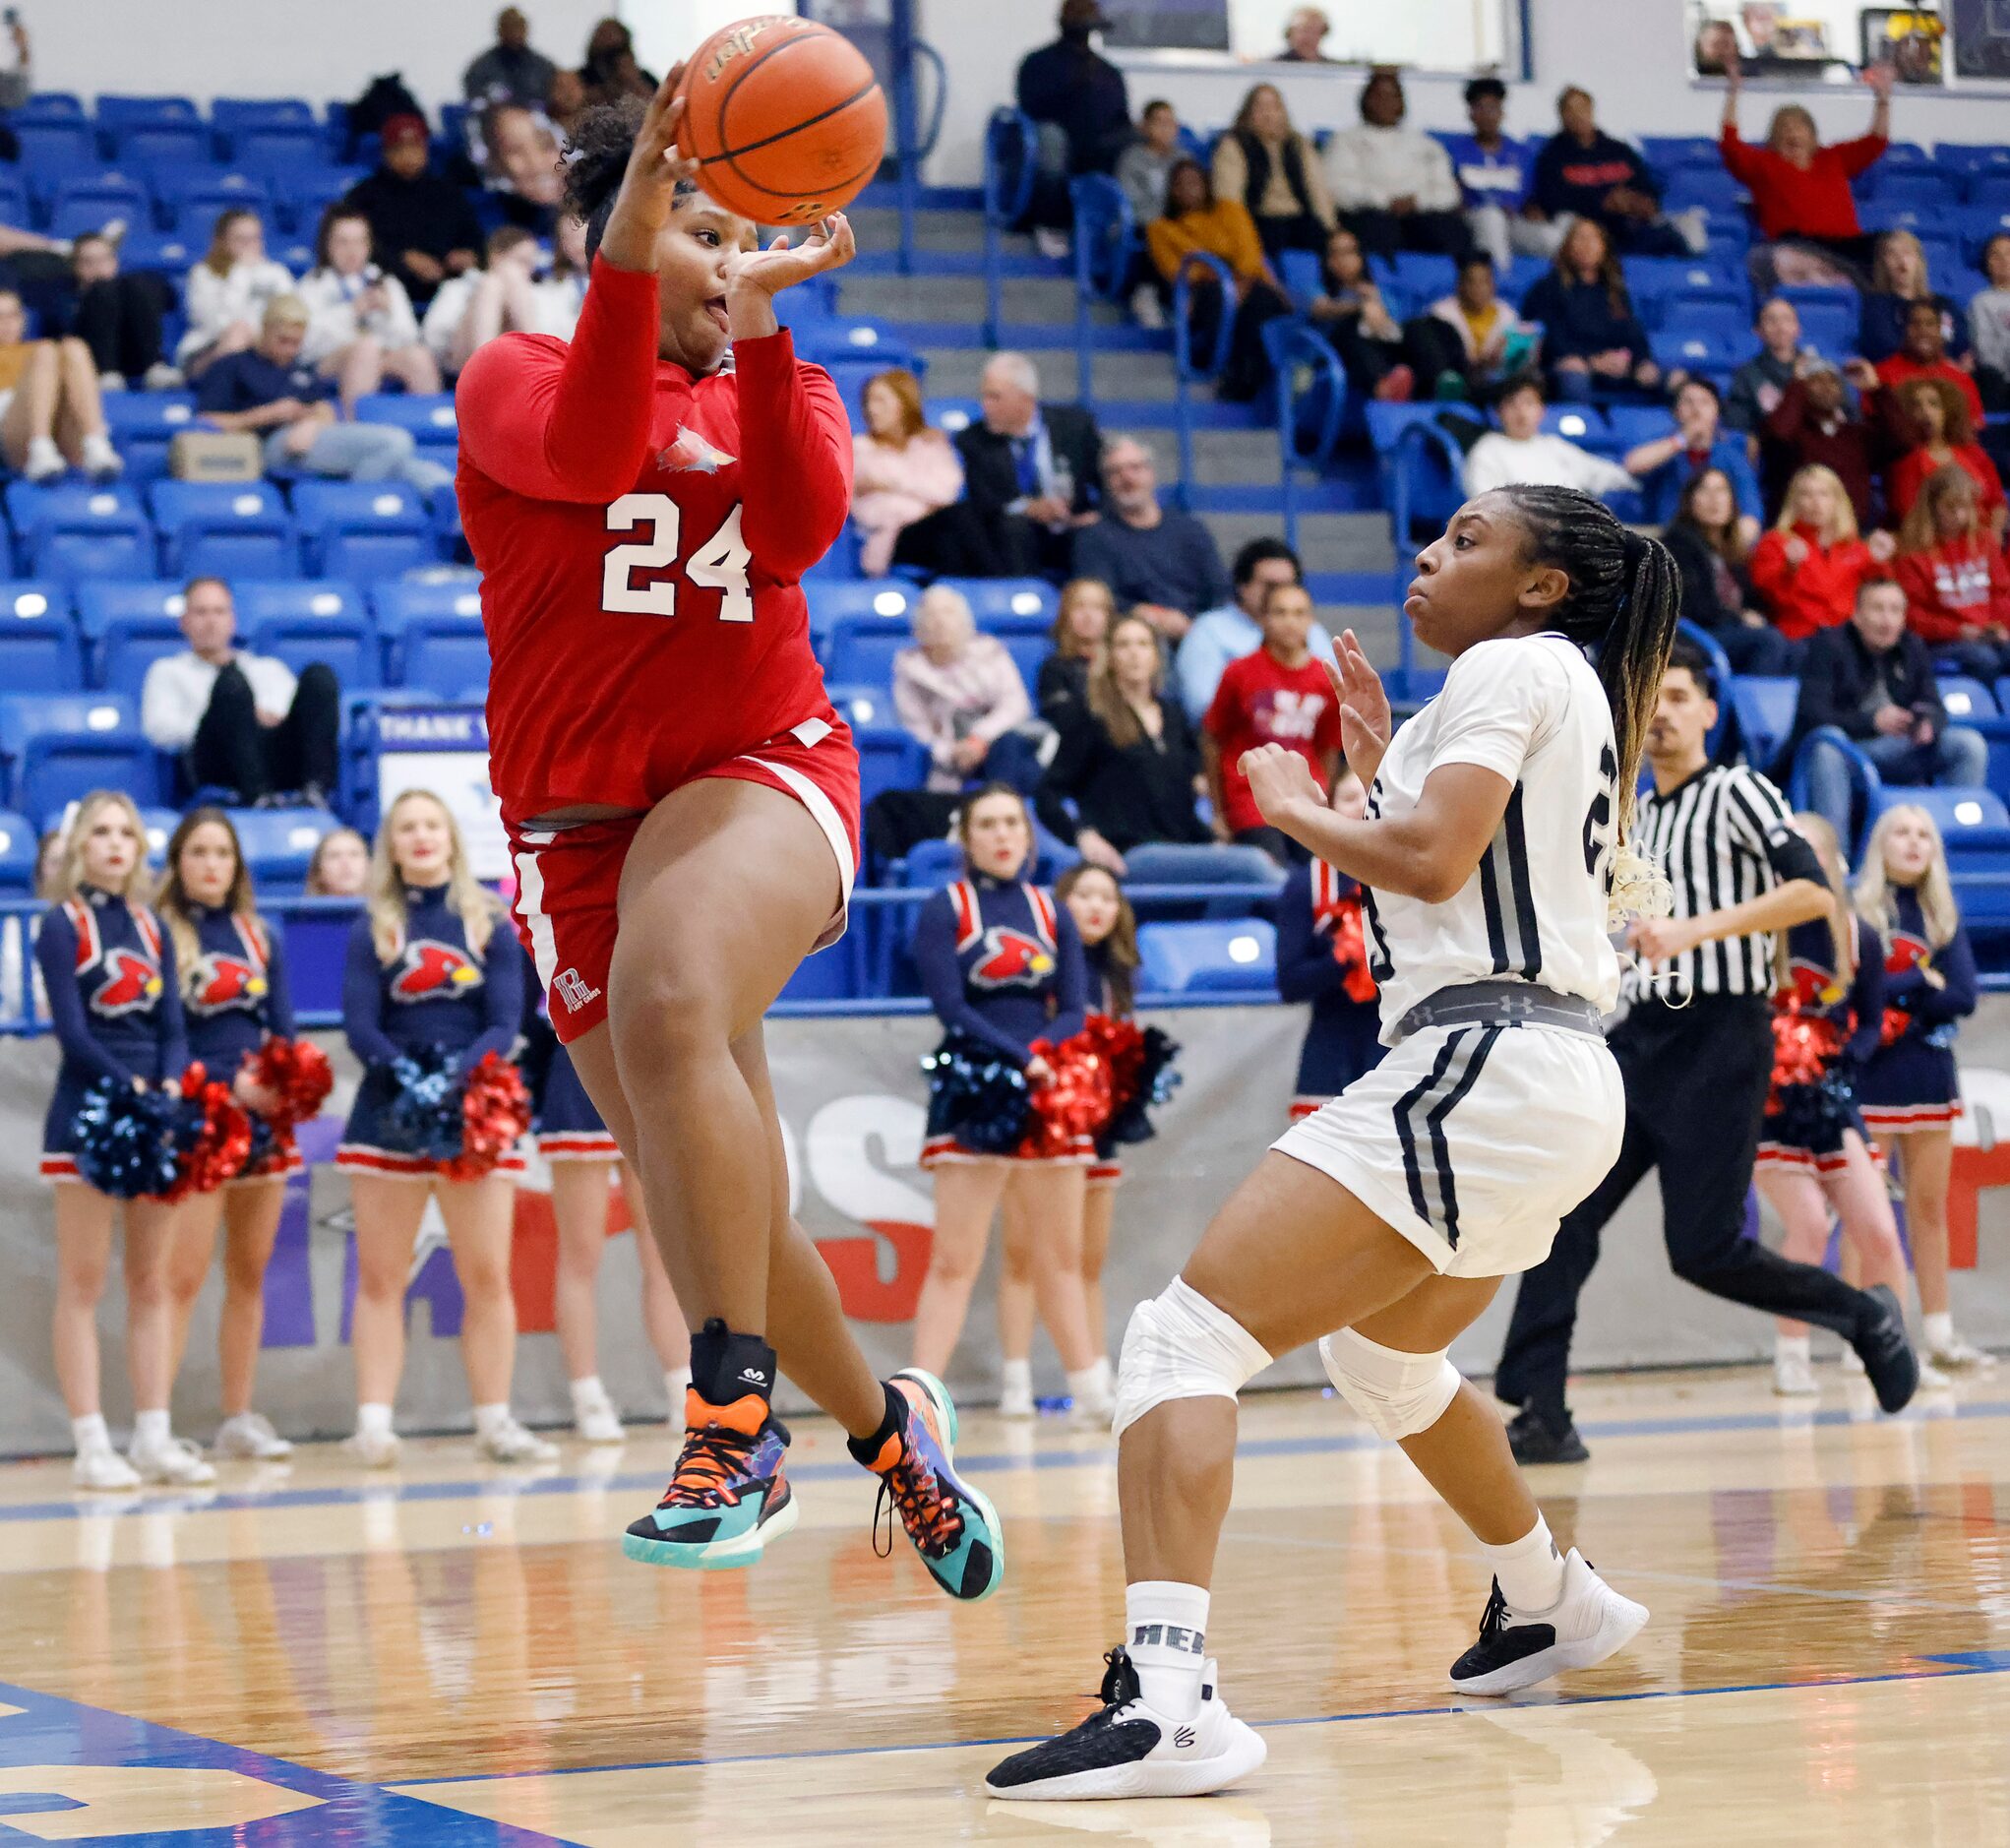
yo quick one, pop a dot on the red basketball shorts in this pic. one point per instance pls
(568, 879)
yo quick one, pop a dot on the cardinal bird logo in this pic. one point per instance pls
(1010, 957)
(220, 983)
(432, 970)
(688, 453)
(133, 983)
(1815, 987)
(1906, 952)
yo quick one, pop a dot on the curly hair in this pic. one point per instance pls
(602, 140)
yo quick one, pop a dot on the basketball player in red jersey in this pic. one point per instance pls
(682, 799)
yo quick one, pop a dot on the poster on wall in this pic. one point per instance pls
(1909, 39)
(1981, 37)
(1162, 25)
(1772, 38)
(444, 750)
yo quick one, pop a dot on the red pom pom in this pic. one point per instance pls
(219, 1151)
(1805, 1046)
(1350, 951)
(1074, 1103)
(1893, 1027)
(297, 1072)
(1121, 1045)
(494, 1111)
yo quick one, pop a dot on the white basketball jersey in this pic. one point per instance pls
(1533, 711)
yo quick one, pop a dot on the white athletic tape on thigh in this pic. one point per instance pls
(1181, 1347)
(1398, 1393)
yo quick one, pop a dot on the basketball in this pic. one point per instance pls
(785, 117)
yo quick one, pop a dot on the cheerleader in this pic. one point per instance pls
(1322, 957)
(420, 976)
(580, 1153)
(1000, 961)
(1813, 1150)
(109, 976)
(233, 997)
(1911, 1091)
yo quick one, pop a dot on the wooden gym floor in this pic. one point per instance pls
(451, 1655)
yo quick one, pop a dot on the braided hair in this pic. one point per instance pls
(1625, 595)
(602, 141)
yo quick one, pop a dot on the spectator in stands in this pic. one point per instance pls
(517, 156)
(1583, 173)
(340, 866)
(1808, 569)
(1898, 280)
(1127, 760)
(1354, 316)
(1029, 475)
(1800, 190)
(1593, 342)
(1494, 176)
(1304, 33)
(1279, 695)
(1234, 628)
(1161, 566)
(959, 693)
(1520, 453)
(117, 316)
(1081, 114)
(1394, 185)
(509, 71)
(1712, 549)
(1942, 437)
(901, 470)
(565, 103)
(1872, 680)
(1196, 222)
(611, 70)
(1666, 465)
(1470, 343)
(268, 389)
(361, 328)
(50, 412)
(1759, 383)
(1275, 172)
(238, 720)
(1956, 581)
(421, 222)
(1081, 630)
(1143, 167)
(226, 294)
(16, 75)
(1814, 424)
(1989, 325)
(517, 293)
(1922, 355)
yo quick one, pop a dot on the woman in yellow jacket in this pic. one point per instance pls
(1199, 223)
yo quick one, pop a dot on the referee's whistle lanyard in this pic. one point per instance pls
(1663, 985)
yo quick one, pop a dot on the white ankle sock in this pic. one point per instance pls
(152, 1430)
(1530, 1570)
(373, 1420)
(489, 1419)
(89, 1432)
(1939, 1330)
(1016, 1376)
(589, 1394)
(1165, 1630)
(1791, 1346)
(1088, 1386)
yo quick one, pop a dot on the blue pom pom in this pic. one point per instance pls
(127, 1140)
(426, 1114)
(975, 1095)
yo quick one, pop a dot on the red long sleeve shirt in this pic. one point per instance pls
(1957, 586)
(1912, 471)
(1899, 371)
(1818, 592)
(1802, 202)
(642, 535)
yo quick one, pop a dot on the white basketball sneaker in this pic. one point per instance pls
(373, 1448)
(1126, 1749)
(102, 1467)
(509, 1441)
(176, 1462)
(1794, 1374)
(251, 1437)
(1518, 1648)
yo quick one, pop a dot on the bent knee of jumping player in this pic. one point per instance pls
(1180, 1345)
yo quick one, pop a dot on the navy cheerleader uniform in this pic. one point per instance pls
(435, 992)
(234, 996)
(1807, 1134)
(1003, 962)
(569, 1128)
(1106, 1170)
(1319, 921)
(113, 1004)
(1909, 1081)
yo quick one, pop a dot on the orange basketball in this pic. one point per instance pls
(785, 117)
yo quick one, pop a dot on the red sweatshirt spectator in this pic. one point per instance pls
(1923, 356)
(1937, 421)
(1807, 569)
(1956, 581)
(1813, 426)
(1800, 190)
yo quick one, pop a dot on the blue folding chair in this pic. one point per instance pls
(40, 647)
(1208, 956)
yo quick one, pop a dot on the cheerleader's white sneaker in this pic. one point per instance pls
(508, 1442)
(176, 1464)
(101, 1468)
(249, 1437)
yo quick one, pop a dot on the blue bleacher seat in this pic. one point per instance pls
(1955, 810)
(889, 758)
(363, 529)
(128, 644)
(56, 749)
(73, 532)
(40, 651)
(144, 426)
(992, 599)
(952, 415)
(347, 643)
(229, 115)
(445, 655)
(14, 202)
(1762, 709)
(1966, 699)
(429, 417)
(1698, 349)
(306, 192)
(299, 599)
(49, 105)
(830, 602)
(1208, 955)
(1028, 640)
(278, 844)
(55, 146)
(227, 529)
(279, 147)
(862, 706)
(862, 649)
(141, 143)
(89, 201)
(19, 847)
(189, 201)
(117, 111)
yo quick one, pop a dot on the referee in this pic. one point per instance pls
(1695, 1051)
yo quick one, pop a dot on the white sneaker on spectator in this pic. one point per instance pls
(111, 381)
(1793, 1376)
(161, 377)
(101, 463)
(43, 461)
(508, 1442)
(250, 1438)
(176, 1462)
(1051, 243)
(1146, 309)
(373, 1449)
(102, 1467)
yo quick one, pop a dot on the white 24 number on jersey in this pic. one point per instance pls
(719, 564)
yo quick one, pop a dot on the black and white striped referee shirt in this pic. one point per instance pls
(1723, 837)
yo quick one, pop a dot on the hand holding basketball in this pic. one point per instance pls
(648, 188)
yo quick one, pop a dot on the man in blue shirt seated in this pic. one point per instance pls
(1159, 565)
(1236, 629)
(266, 389)
(1698, 441)
(1494, 175)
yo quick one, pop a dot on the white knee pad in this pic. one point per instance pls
(1398, 1393)
(1181, 1347)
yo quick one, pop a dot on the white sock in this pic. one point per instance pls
(1088, 1388)
(89, 1432)
(589, 1394)
(1530, 1570)
(676, 1384)
(1939, 1328)
(1016, 1376)
(1106, 1380)
(1791, 1346)
(373, 1421)
(1165, 1630)
(489, 1419)
(151, 1431)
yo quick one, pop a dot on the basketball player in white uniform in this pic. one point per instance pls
(1493, 852)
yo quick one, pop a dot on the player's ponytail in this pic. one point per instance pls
(1625, 595)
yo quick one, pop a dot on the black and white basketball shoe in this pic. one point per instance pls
(1516, 1649)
